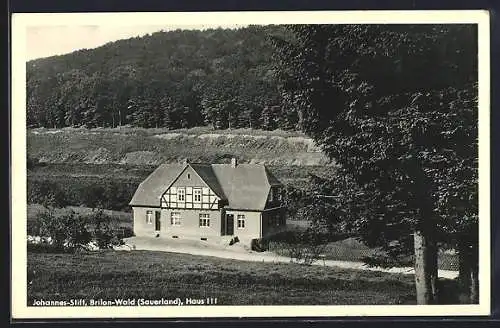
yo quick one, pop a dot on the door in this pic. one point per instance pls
(157, 220)
(229, 224)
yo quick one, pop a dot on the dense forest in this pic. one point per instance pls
(176, 79)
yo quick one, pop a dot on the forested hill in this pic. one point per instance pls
(175, 79)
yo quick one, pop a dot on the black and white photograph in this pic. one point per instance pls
(250, 164)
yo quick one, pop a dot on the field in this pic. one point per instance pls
(153, 275)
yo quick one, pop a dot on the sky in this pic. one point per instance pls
(45, 41)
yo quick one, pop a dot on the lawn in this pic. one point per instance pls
(153, 275)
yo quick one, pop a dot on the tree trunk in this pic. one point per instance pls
(433, 268)
(425, 268)
(464, 273)
(468, 278)
(474, 275)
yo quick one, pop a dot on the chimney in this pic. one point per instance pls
(234, 162)
(186, 161)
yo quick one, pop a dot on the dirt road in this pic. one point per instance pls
(241, 252)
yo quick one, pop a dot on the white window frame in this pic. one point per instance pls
(197, 192)
(181, 195)
(149, 217)
(204, 220)
(240, 221)
(175, 218)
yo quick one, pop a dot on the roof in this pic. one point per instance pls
(151, 189)
(244, 187)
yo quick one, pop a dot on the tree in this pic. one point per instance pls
(371, 96)
(221, 75)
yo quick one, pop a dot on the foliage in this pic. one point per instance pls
(93, 192)
(71, 231)
(67, 231)
(174, 79)
(104, 230)
(371, 96)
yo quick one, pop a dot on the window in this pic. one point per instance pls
(204, 220)
(189, 176)
(241, 221)
(271, 195)
(197, 195)
(181, 195)
(149, 217)
(175, 218)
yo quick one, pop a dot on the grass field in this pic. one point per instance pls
(153, 275)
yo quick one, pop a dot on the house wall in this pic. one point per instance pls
(252, 224)
(189, 227)
(141, 227)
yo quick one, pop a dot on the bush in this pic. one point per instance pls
(66, 231)
(74, 232)
(104, 230)
(258, 245)
(302, 246)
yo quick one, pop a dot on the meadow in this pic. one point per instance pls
(153, 275)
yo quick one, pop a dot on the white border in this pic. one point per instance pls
(20, 21)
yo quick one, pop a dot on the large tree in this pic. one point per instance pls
(395, 106)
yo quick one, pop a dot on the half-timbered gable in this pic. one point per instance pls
(190, 191)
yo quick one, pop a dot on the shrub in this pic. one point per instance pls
(258, 245)
(302, 246)
(104, 230)
(74, 232)
(66, 231)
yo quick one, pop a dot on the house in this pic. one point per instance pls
(194, 200)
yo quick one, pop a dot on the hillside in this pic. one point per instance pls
(139, 147)
(175, 79)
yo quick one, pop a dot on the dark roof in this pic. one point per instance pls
(150, 190)
(244, 187)
(207, 174)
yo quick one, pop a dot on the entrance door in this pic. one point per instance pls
(229, 224)
(157, 220)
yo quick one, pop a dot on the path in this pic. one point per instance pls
(243, 253)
